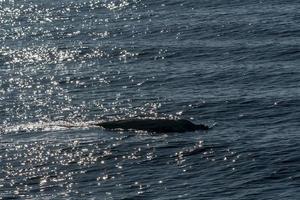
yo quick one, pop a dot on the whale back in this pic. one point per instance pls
(153, 125)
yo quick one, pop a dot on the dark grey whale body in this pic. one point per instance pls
(154, 125)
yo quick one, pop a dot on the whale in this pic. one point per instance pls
(153, 125)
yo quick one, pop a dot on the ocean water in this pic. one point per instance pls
(233, 65)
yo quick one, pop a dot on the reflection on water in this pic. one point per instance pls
(61, 167)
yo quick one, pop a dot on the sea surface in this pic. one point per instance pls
(231, 64)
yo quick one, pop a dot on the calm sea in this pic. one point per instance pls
(234, 65)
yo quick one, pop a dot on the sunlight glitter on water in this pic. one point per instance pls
(66, 64)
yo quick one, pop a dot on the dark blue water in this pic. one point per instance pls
(233, 64)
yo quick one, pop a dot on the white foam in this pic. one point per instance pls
(44, 126)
